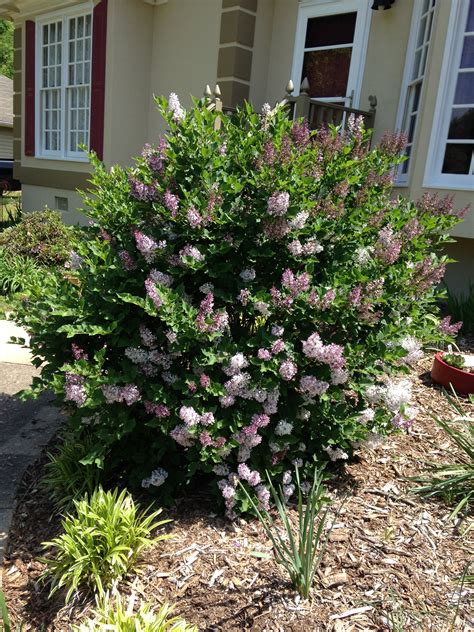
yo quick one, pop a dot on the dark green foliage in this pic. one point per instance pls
(6, 48)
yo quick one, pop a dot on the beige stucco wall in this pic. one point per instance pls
(184, 53)
(460, 275)
(127, 89)
(6, 143)
(36, 198)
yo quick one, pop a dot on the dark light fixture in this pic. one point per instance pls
(382, 4)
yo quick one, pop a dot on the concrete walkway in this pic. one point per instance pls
(25, 427)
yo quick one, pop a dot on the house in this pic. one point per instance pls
(85, 73)
(6, 119)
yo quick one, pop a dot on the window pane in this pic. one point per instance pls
(405, 165)
(457, 158)
(421, 32)
(330, 30)
(470, 18)
(464, 88)
(411, 129)
(327, 72)
(462, 123)
(467, 58)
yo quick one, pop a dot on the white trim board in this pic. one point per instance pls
(319, 8)
(433, 178)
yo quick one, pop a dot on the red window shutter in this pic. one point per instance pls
(99, 45)
(30, 71)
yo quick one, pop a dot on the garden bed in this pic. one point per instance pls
(392, 556)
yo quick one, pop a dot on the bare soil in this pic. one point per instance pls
(394, 559)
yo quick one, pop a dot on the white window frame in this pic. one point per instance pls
(433, 176)
(55, 16)
(319, 8)
(401, 124)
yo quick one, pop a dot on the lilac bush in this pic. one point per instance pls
(245, 301)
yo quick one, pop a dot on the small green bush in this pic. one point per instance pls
(454, 359)
(67, 477)
(41, 236)
(101, 544)
(17, 273)
(114, 615)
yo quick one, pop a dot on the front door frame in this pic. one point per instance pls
(319, 8)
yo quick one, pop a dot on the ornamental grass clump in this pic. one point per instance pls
(115, 614)
(101, 543)
(299, 547)
(245, 298)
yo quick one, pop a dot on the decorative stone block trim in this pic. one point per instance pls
(234, 65)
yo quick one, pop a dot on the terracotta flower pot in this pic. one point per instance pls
(447, 375)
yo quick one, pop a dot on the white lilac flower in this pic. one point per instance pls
(366, 415)
(262, 307)
(160, 277)
(297, 462)
(299, 220)
(171, 336)
(304, 414)
(227, 400)
(169, 378)
(311, 386)
(221, 469)
(305, 487)
(286, 477)
(207, 288)
(248, 274)
(413, 349)
(174, 106)
(156, 478)
(336, 454)
(312, 246)
(189, 415)
(277, 331)
(136, 355)
(283, 427)
(288, 491)
(295, 247)
(362, 256)
(374, 393)
(396, 394)
(243, 454)
(302, 447)
(75, 261)
(339, 376)
(236, 363)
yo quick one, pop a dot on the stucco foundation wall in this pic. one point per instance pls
(184, 53)
(35, 198)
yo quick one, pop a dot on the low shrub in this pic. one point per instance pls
(68, 474)
(41, 236)
(18, 273)
(115, 615)
(245, 299)
(101, 543)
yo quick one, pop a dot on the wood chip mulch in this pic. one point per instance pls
(393, 561)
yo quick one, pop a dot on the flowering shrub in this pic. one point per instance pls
(244, 301)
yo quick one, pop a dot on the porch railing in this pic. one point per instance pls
(318, 113)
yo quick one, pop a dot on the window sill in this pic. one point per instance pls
(84, 160)
(440, 183)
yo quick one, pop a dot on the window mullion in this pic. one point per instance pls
(65, 63)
